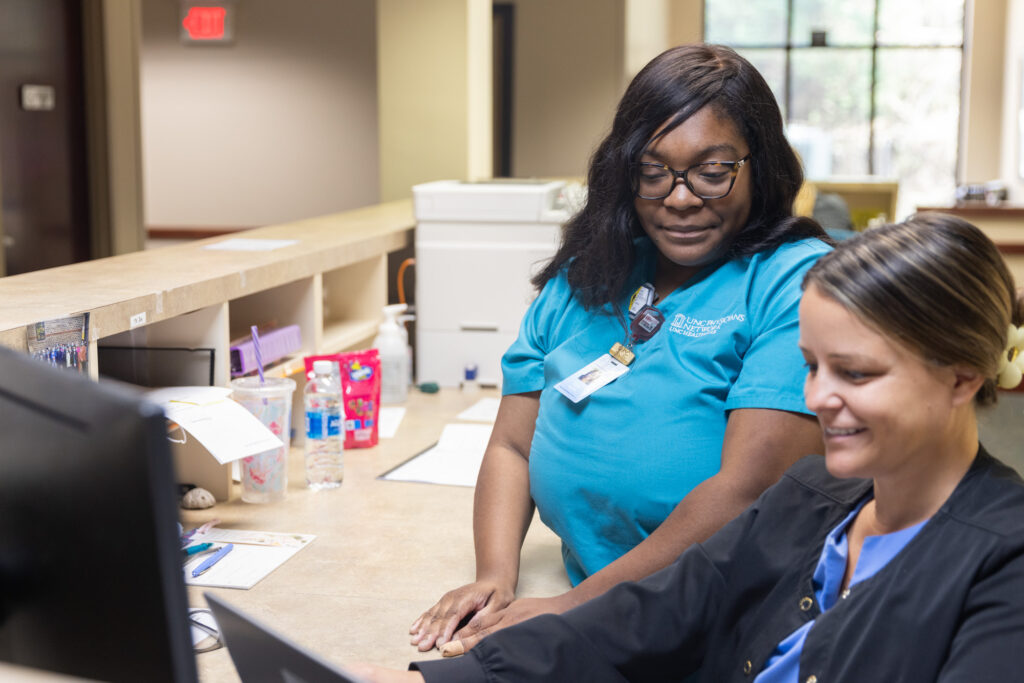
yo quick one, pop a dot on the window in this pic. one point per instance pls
(867, 87)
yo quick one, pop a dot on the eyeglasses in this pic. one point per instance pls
(711, 180)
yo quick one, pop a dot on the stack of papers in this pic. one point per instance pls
(256, 554)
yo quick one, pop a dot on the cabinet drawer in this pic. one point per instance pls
(470, 286)
(442, 356)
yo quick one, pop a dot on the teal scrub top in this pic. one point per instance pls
(607, 471)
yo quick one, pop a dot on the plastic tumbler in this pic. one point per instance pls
(265, 475)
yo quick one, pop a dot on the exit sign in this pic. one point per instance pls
(207, 23)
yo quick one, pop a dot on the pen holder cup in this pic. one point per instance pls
(265, 475)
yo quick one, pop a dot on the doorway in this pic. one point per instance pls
(43, 164)
(503, 42)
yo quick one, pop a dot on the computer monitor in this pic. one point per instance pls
(90, 558)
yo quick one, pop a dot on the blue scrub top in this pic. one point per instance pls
(607, 471)
(877, 551)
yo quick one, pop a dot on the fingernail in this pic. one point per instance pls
(452, 649)
(441, 640)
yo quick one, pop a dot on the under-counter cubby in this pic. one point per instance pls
(352, 299)
(329, 278)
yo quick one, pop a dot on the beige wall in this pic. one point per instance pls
(568, 77)
(653, 26)
(1013, 101)
(278, 126)
(285, 123)
(573, 60)
(434, 80)
(982, 83)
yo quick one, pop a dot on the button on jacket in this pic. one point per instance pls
(948, 607)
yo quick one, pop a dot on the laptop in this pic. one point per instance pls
(263, 656)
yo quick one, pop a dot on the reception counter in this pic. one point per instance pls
(385, 551)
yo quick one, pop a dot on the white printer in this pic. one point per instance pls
(477, 246)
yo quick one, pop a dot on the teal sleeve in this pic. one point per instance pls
(522, 366)
(773, 369)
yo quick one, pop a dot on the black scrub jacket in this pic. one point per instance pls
(949, 607)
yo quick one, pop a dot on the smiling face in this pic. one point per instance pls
(690, 232)
(883, 410)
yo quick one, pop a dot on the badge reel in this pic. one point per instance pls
(645, 321)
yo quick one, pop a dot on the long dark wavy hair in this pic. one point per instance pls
(597, 242)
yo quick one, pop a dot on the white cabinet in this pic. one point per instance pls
(477, 246)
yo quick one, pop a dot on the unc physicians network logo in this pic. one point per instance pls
(692, 327)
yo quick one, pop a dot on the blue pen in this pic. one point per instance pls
(212, 560)
(193, 549)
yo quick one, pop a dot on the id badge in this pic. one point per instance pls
(590, 378)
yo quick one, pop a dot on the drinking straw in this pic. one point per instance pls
(259, 353)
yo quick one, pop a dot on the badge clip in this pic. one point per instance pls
(621, 354)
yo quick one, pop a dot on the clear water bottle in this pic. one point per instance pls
(324, 427)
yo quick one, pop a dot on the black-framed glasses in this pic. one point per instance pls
(710, 180)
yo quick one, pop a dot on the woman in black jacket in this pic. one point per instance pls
(898, 556)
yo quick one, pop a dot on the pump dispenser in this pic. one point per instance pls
(392, 342)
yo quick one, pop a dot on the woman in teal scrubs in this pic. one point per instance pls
(655, 389)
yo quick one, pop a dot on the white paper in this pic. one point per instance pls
(249, 244)
(454, 460)
(204, 617)
(388, 420)
(224, 427)
(484, 410)
(255, 555)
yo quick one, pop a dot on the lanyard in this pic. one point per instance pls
(644, 322)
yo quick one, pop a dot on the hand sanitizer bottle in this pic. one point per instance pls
(392, 342)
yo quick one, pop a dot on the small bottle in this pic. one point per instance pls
(470, 384)
(392, 342)
(324, 434)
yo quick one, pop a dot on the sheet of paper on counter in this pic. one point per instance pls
(454, 460)
(484, 410)
(255, 555)
(249, 244)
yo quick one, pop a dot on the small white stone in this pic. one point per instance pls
(197, 499)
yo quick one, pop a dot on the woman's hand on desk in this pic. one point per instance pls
(480, 599)
(482, 624)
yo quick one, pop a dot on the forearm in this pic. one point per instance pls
(502, 511)
(502, 506)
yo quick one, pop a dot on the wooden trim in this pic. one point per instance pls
(96, 139)
(163, 232)
(982, 211)
(111, 34)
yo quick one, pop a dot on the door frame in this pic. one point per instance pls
(112, 33)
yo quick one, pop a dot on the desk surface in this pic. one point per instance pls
(384, 552)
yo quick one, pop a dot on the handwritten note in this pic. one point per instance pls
(224, 427)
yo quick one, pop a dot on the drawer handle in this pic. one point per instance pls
(478, 327)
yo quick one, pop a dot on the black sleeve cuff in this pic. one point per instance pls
(464, 669)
